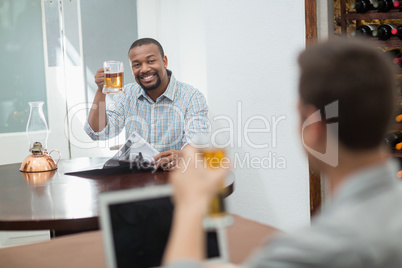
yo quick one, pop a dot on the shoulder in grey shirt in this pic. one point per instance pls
(360, 227)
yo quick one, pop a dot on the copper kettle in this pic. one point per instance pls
(39, 161)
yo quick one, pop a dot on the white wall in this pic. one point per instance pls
(243, 55)
(179, 26)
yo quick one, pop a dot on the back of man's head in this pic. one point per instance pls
(361, 79)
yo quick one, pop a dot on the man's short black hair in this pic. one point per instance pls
(147, 41)
(361, 79)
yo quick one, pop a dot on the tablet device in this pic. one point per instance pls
(136, 224)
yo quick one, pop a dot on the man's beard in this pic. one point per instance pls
(152, 87)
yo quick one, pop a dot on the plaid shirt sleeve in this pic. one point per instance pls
(115, 121)
(196, 119)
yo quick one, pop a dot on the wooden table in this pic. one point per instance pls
(86, 250)
(60, 202)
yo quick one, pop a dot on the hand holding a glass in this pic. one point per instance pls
(195, 184)
(110, 78)
(196, 181)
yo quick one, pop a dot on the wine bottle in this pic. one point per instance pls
(365, 30)
(398, 4)
(397, 31)
(393, 55)
(362, 6)
(393, 138)
(384, 31)
(384, 5)
(398, 146)
(398, 117)
(398, 60)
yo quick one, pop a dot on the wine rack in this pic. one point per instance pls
(393, 16)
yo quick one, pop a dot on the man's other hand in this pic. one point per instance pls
(168, 160)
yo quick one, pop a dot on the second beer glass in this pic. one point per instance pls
(214, 156)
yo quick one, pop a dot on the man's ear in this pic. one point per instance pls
(165, 61)
(313, 134)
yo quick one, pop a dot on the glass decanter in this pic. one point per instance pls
(37, 130)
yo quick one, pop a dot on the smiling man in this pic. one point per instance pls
(165, 112)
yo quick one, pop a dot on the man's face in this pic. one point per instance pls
(149, 68)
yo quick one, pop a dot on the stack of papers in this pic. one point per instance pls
(135, 149)
(135, 154)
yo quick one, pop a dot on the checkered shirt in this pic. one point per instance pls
(168, 123)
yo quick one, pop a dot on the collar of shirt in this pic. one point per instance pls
(366, 183)
(169, 93)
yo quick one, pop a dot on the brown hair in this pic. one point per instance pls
(361, 79)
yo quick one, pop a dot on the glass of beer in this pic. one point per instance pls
(114, 75)
(214, 157)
